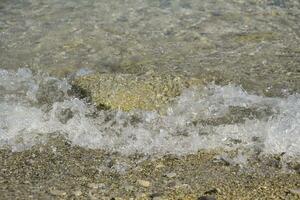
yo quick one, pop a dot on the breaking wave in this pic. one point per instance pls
(33, 106)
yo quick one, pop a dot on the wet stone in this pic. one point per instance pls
(171, 175)
(64, 115)
(185, 5)
(156, 196)
(144, 183)
(96, 186)
(49, 92)
(129, 188)
(212, 191)
(206, 198)
(165, 3)
(129, 91)
(279, 3)
(77, 193)
(295, 191)
(57, 192)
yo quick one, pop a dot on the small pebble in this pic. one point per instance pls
(212, 191)
(77, 193)
(144, 183)
(95, 185)
(156, 196)
(141, 195)
(159, 166)
(57, 192)
(171, 175)
(295, 191)
(128, 187)
(206, 198)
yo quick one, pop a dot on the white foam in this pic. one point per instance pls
(149, 132)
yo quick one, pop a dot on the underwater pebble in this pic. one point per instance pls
(64, 115)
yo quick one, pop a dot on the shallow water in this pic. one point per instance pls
(250, 47)
(253, 43)
(206, 117)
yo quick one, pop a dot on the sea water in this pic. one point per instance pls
(207, 117)
(251, 47)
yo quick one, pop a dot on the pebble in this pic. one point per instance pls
(212, 191)
(95, 185)
(141, 196)
(64, 115)
(295, 191)
(171, 175)
(144, 183)
(57, 192)
(159, 166)
(156, 196)
(77, 193)
(128, 187)
(172, 184)
(206, 198)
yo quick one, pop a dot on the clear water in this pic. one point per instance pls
(252, 43)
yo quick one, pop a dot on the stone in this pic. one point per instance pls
(212, 191)
(77, 193)
(206, 198)
(141, 196)
(159, 166)
(129, 91)
(95, 185)
(64, 115)
(129, 188)
(171, 175)
(156, 196)
(49, 92)
(57, 192)
(144, 183)
(165, 3)
(295, 191)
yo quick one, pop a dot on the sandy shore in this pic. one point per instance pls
(57, 170)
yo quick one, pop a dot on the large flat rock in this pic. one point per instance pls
(129, 91)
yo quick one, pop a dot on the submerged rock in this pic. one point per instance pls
(49, 92)
(129, 91)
